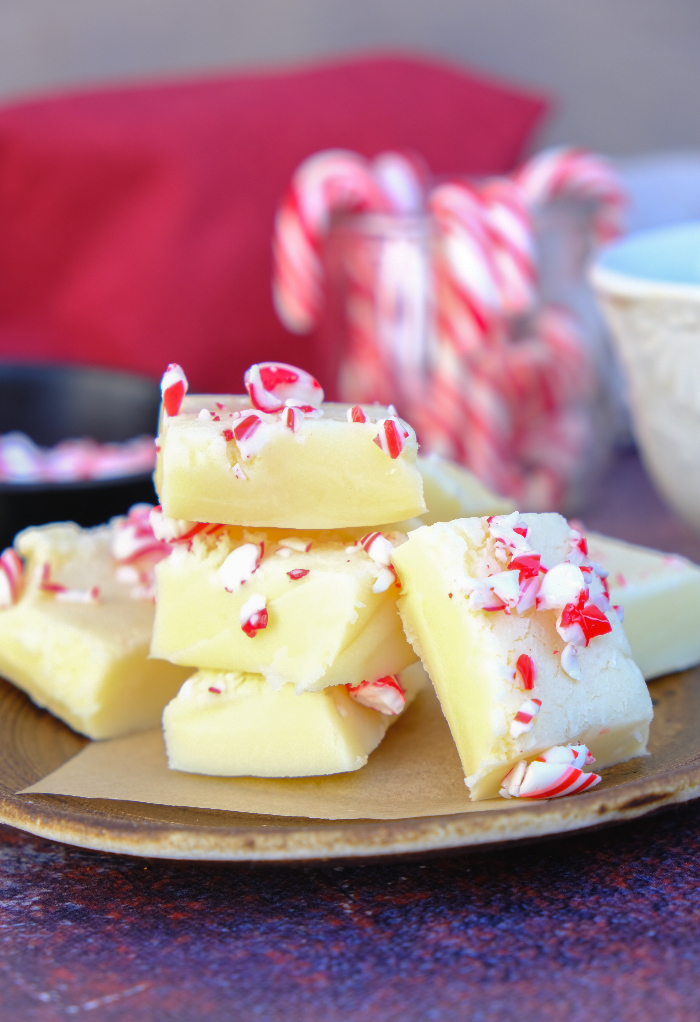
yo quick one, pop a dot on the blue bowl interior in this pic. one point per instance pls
(670, 255)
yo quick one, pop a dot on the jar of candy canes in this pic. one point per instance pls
(465, 305)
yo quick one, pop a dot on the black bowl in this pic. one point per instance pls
(57, 402)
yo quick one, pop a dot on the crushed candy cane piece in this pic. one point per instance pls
(378, 548)
(134, 538)
(391, 437)
(510, 785)
(525, 666)
(297, 573)
(554, 773)
(385, 578)
(273, 385)
(173, 388)
(570, 664)
(166, 529)
(384, 695)
(253, 615)
(11, 577)
(355, 414)
(240, 565)
(563, 584)
(246, 427)
(524, 718)
(579, 623)
(293, 418)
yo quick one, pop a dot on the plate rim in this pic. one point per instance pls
(266, 843)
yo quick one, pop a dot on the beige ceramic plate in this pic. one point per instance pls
(33, 743)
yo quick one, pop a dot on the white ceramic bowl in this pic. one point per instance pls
(649, 288)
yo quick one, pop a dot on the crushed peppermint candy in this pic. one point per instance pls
(253, 615)
(384, 695)
(356, 414)
(11, 577)
(240, 565)
(293, 418)
(524, 718)
(556, 772)
(173, 388)
(297, 573)
(525, 666)
(272, 386)
(391, 437)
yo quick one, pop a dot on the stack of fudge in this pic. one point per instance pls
(280, 588)
(304, 624)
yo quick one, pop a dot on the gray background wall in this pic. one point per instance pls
(626, 73)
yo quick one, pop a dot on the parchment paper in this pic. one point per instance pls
(414, 772)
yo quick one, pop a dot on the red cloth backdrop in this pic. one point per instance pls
(135, 223)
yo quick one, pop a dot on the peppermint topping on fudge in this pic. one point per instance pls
(11, 577)
(173, 388)
(558, 771)
(384, 695)
(273, 386)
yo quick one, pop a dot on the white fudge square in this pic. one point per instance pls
(312, 609)
(232, 724)
(77, 638)
(471, 613)
(221, 460)
(660, 596)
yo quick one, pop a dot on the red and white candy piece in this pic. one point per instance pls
(273, 386)
(384, 695)
(524, 718)
(173, 388)
(563, 584)
(253, 615)
(134, 539)
(378, 548)
(569, 662)
(556, 772)
(293, 418)
(392, 436)
(11, 577)
(240, 565)
(525, 667)
(168, 530)
(580, 622)
(355, 414)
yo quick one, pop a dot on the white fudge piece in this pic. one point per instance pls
(220, 460)
(660, 596)
(592, 695)
(452, 491)
(311, 609)
(232, 724)
(76, 639)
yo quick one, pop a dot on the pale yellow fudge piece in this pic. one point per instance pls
(452, 491)
(326, 472)
(77, 639)
(232, 724)
(330, 606)
(660, 595)
(450, 573)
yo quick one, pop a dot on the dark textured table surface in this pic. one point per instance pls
(598, 926)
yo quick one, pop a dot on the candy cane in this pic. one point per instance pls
(562, 172)
(331, 182)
